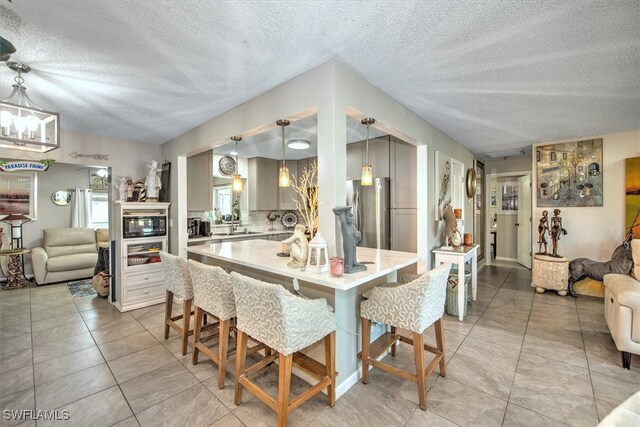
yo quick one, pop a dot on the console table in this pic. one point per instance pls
(461, 256)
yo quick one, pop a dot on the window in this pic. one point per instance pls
(100, 209)
(222, 197)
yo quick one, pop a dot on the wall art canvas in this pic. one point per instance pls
(18, 193)
(632, 187)
(570, 174)
(443, 184)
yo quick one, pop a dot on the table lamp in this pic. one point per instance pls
(16, 221)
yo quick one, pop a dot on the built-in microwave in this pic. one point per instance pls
(134, 226)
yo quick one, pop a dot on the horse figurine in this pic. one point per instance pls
(620, 263)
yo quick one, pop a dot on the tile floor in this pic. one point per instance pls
(519, 358)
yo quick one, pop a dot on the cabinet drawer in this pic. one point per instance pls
(141, 293)
(138, 280)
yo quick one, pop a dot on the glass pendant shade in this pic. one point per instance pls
(283, 178)
(367, 175)
(24, 125)
(237, 179)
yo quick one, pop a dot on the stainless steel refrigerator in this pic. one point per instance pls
(371, 212)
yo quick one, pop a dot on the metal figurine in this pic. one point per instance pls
(543, 228)
(556, 231)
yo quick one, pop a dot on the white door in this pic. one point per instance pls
(524, 221)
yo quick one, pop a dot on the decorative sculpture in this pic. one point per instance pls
(298, 247)
(152, 182)
(123, 187)
(543, 228)
(556, 231)
(452, 234)
(350, 238)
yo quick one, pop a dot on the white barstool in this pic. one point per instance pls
(414, 306)
(213, 296)
(270, 314)
(177, 281)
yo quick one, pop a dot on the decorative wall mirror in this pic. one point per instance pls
(61, 198)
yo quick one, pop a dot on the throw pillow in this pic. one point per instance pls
(635, 253)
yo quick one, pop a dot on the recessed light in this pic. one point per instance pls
(234, 153)
(298, 144)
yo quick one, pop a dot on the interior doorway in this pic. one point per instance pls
(509, 212)
(479, 210)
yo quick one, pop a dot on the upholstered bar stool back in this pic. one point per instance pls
(413, 306)
(212, 295)
(177, 281)
(270, 314)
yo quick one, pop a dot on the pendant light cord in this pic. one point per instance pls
(366, 156)
(283, 163)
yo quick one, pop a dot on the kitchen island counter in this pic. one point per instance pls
(258, 259)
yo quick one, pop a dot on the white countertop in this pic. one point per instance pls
(238, 235)
(261, 255)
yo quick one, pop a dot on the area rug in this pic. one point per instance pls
(81, 288)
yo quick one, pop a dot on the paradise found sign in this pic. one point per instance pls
(34, 166)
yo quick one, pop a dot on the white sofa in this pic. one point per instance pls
(622, 308)
(68, 254)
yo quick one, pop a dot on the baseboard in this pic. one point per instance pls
(502, 258)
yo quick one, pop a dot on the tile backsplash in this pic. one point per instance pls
(253, 220)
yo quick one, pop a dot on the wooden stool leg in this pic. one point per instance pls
(366, 342)
(197, 328)
(267, 352)
(168, 308)
(418, 350)
(330, 366)
(223, 350)
(186, 319)
(440, 344)
(284, 388)
(241, 356)
(394, 346)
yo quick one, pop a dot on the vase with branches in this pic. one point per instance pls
(307, 200)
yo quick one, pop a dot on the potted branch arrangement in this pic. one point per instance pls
(307, 200)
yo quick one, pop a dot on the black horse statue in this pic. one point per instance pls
(620, 263)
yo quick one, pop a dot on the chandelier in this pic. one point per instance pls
(24, 125)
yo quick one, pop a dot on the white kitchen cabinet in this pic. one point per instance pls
(200, 182)
(404, 172)
(138, 277)
(263, 184)
(404, 230)
(287, 195)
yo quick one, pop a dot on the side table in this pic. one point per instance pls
(461, 256)
(14, 273)
(550, 273)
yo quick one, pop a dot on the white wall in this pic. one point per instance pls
(594, 232)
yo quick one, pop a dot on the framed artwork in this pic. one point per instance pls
(573, 179)
(443, 184)
(632, 198)
(493, 196)
(19, 193)
(509, 198)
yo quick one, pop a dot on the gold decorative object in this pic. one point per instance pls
(307, 200)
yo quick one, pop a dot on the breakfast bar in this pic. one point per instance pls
(258, 259)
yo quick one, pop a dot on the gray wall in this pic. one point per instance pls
(510, 164)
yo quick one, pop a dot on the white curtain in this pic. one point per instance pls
(81, 208)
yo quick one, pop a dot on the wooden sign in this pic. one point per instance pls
(24, 166)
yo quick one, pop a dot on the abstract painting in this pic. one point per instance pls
(632, 187)
(570, 174)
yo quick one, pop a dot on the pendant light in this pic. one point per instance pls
(367, 173)
(283, 177)
(237, 181)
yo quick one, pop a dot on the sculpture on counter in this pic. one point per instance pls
(235, 208)
(451, 232)
(556, 231)
(350, 238)
(152, 182)
(543, 228)
(298, 248)
(218, 214)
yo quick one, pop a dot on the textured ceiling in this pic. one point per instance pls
(493, 75)
(269, 144)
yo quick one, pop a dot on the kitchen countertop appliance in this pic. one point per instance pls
(205, 228)
(193, 227)
(371, 212)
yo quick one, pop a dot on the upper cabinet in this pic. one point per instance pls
(200, 182)
(404, 169)
(379, 154)
(263, 184)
